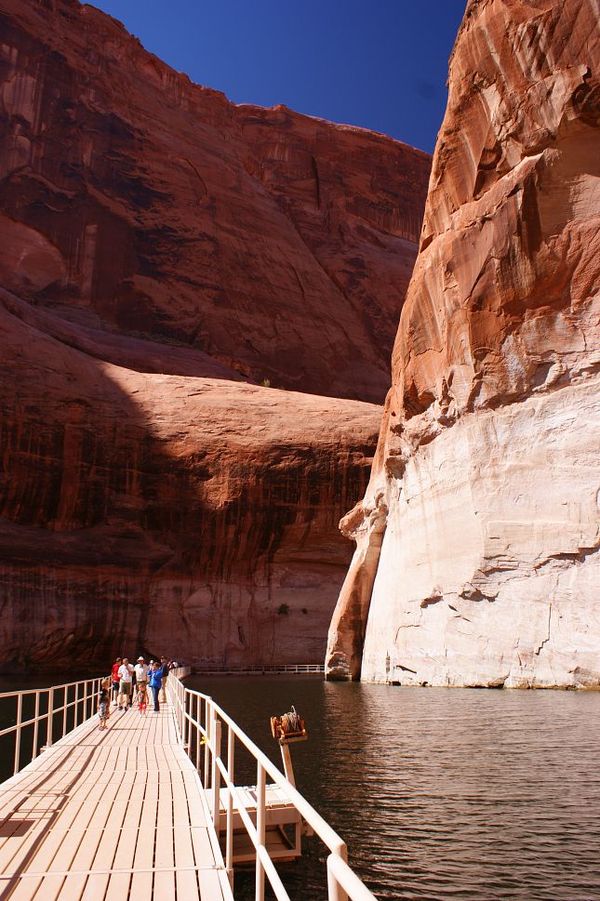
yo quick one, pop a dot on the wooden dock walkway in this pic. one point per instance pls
(112, 814)
(147, 809)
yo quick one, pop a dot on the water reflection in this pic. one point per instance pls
(440, 793)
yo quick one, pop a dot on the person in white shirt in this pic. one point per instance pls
(125, 680)
(141, 676)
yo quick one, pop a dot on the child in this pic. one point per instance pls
(104, 702)
(142, 698)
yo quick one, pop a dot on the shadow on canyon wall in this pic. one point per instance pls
(142, 511)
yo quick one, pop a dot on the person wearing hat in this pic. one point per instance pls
(141, 675)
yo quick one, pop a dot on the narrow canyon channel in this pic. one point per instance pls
(439, 793)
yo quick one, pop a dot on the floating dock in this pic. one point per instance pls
(148, 807)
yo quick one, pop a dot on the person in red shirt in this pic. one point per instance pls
(115, 678)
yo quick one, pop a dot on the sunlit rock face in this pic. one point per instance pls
(197, 305)
(477, 541)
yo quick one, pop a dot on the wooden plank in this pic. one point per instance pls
(141, 885)
(203, 849)
(95, 888)
(186, 882)
(164, 885)
(211, 887)
(70, 889)
(143, 861)
(186, 879)
(164, 853)
(118, 887)
(225, 884)
(25, 889)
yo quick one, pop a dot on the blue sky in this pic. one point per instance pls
(380, 64)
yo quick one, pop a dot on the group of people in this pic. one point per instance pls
(129, 684)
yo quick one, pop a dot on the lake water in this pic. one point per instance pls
(439, 793)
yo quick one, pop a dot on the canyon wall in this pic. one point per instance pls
(146, 511)
(262, 241)
(477, 559)
(197, 303)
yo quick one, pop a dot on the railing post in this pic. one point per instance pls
(50, 728)
(179, 699)
(335, 892)
(216, 773)
(198, 733)
(183, 709)
(36, 715)
(65, 699)
(231, 777)
(207, 729)
(18, 733)
(186, 723)
(76, 706)
(259, 892)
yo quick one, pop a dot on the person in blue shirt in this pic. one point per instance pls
(155, 677)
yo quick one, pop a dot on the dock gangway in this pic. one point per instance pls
(146, 809)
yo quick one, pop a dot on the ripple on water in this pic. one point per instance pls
(441, 793)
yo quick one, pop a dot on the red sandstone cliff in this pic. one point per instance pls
(477, 559)
(142, 510)
(137, 202)
(161, 250)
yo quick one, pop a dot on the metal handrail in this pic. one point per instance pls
(84, 693)
(342, 882)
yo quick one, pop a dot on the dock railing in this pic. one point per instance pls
(206, 732)
(225, 669)
(42, 716)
